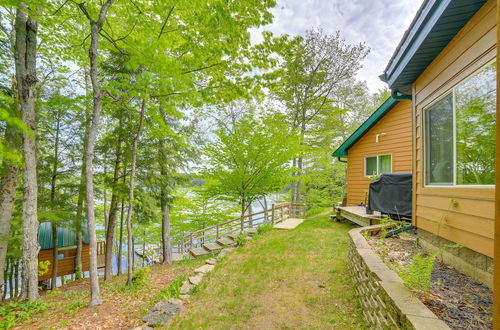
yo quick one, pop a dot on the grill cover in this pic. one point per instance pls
(391, 194)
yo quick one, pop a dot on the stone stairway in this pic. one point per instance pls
(223, 242)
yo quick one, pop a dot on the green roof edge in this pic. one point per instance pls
(365, 127)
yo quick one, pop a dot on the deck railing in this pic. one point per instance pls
(276, 214)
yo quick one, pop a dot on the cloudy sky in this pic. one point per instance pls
(379, 23)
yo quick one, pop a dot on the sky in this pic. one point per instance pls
(378, 23)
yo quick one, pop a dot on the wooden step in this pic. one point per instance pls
(251, 231)
(212, 246)
(225, 241)
(196, 252)
(233, 236)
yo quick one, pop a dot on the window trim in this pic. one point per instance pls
(425, 143)
(377, 156)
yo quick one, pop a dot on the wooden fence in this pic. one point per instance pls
(274, 215)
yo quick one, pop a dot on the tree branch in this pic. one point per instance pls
(165, 23)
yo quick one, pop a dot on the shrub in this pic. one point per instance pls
(241, 239)
(262, 229)
(141, 276)
(417, 276)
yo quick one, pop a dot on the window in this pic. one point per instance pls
(460, 133)
(377, 165)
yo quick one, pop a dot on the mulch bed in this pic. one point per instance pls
(454, 297)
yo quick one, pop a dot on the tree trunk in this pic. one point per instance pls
(55, 249)
(82, 189)
(111, 228)
(165, 231)
(8, 186)
(95, 28)
(25, 56)
(55, 252)
(130, 247)
(120, 245)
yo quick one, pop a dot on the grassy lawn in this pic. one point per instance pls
(294, 279)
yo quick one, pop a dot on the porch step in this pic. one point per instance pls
(225, 241)
(198, 252)
(212, 246)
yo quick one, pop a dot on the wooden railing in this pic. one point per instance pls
(276, 214)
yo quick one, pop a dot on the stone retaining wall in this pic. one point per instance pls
(386, 302)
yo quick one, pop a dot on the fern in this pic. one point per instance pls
(417, 276)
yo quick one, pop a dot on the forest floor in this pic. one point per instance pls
(283, 279)
(123, 307)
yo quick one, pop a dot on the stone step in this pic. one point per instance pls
(212, 246)
(196, 252)
(225, 241)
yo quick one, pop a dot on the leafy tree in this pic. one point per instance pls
(250, 158)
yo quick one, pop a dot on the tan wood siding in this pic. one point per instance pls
(397, 142)
(460, 214)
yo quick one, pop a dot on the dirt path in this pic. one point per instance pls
(280, 280)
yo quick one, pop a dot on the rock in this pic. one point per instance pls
(225, 251)
(211, 261)
(204, 269)
(163, 312)
(186, 287)
(196, 280)
(184, 296)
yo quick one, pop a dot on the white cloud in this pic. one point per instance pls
(378, 23)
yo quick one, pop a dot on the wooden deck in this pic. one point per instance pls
(357, 214)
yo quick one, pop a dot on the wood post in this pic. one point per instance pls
(217, 231)
(191, 241)
(272, 214)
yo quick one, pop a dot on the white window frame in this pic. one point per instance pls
(454, 151)
(378, 170)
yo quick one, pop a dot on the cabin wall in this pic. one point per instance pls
(397, 141)
(65, 265)
(471, 221)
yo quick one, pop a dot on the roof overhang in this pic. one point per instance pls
(369, 123)
(436, 23)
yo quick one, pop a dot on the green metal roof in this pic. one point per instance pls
(66, 235)
(365, 127)
(433, 27)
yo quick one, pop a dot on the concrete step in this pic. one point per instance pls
(196, 252)
(225, 241)
(212, 246)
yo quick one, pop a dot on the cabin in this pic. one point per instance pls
(66, 238)
(382, 144)
(446, 63)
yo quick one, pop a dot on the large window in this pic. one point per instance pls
(460, 133)
(377, 165)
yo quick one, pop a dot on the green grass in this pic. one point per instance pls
(294, 279)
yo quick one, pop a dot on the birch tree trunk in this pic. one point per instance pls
(95, 28)
(25, 58)
(130, 243)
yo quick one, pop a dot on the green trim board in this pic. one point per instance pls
(365, 127)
